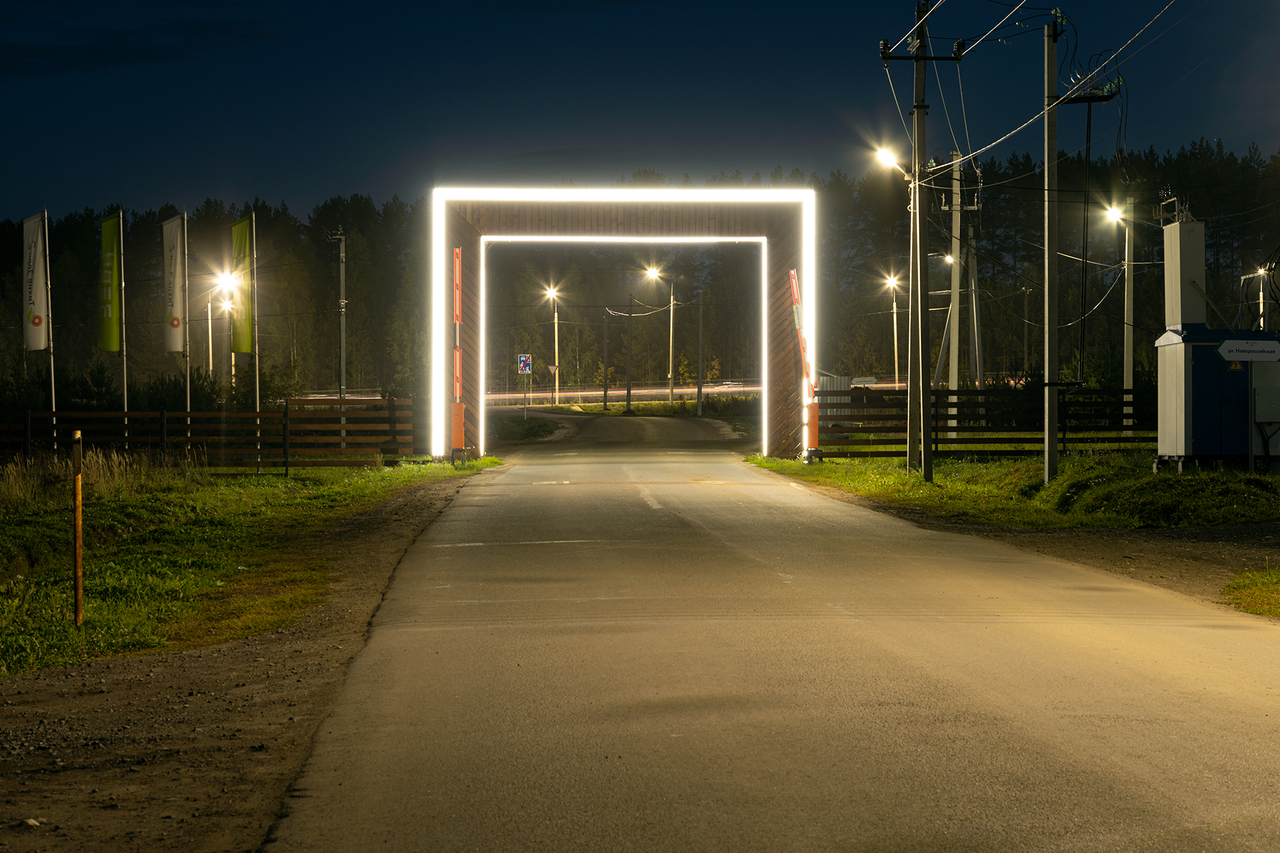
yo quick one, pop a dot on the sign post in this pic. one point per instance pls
(524, 366)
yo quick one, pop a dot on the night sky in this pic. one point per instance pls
(146, 103)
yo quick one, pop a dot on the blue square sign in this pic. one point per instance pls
(524, 363)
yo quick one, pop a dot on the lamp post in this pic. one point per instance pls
(555, 318)
(892, 284)
(225, 284)
(671, 349)
(341, 240)
(1115, 214)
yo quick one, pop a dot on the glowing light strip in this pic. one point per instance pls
(486, 239)
(439, 275)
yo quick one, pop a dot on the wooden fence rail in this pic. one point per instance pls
(872, 422)
(310, 432)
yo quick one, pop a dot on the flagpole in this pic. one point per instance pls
(48, 311)
(257, 402)
(124, 357)
(186, 317)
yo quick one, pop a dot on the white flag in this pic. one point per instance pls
(175, 283)
(35, 306)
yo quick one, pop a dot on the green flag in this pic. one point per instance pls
(242, 251)
(110, 286)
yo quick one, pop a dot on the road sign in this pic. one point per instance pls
(1250, 350)
(552, 368)
(524, 363)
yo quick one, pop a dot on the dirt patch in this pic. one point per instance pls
(194, 750)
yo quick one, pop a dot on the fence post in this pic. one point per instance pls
(284, 426)
(26, 436)
(78, 536)
(164, 436)
(391, 420)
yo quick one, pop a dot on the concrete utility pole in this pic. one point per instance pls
(1051, 34)
(919, 391)
(953, 322)
(921, 388)
(341, 240)
(1128, 307)
(631, 316)
(975, 353)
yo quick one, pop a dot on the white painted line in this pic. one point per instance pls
(532, 542)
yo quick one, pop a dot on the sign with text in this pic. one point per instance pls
(1250, 350)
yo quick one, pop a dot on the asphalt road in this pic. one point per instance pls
(635, 641)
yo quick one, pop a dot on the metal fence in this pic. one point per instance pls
(872, 422)
(310, 432)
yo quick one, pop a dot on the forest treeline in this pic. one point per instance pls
(863, 239)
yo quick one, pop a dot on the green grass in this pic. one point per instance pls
(1255, 592)
(1103, 490)
(173, 558)
(1097, 490)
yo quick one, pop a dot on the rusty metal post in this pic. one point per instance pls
(76, 469)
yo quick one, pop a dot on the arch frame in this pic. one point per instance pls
(781, 221)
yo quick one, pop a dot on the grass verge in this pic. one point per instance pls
(1102, 490)
(173, 558)
(1255, 592)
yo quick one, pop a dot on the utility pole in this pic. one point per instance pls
(631, 316)
(1128, 308)
(919, 392)
(921, 388)
(700, 292)
(1051, 34)
(976, 366)
(953, 322)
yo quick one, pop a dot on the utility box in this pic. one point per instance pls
(1207, 377)
(1204, 398)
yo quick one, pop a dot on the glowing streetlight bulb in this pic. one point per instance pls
(653, 273)
(551, 292)
(949, 259)
(892, 281)
(1114, 214)
(226, 306)
(886, 158)
(225, 281)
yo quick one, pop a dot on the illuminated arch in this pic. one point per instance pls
(782, 221)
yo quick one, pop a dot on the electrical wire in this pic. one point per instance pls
(917, 25)
(1071, 92)
(993, 29)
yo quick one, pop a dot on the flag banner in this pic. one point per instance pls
(241, 297)
(110, 286)
(175, 283)
(35, 325)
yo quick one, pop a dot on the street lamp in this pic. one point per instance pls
(1125, 215)
(231, 356)
(223, 284)
(892, 284)
(671, 350)
(555, 316)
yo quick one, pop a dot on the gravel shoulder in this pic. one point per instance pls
(195, 751)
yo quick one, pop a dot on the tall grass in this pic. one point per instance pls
(45, 481)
